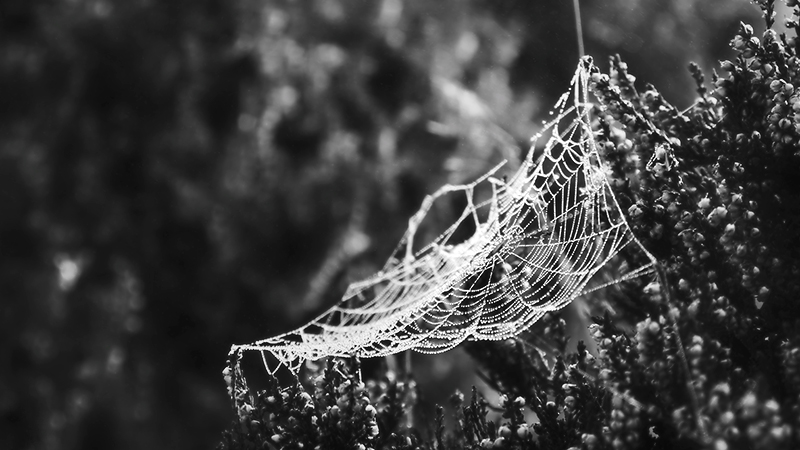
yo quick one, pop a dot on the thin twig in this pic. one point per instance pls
(662, 279)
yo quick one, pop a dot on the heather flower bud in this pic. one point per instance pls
(717, 215)
(730, 229)
(650, 289)
(635, 212)
(590, 441)
(727, 66)
(657, 231)
(693, 308)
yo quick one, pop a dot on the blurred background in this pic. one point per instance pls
(178, 176)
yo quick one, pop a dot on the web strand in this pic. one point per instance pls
(578, 27)
(540, 239)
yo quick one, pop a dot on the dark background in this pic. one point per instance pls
(178, 176)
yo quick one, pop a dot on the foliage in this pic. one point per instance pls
(711, 355)
(178, 176)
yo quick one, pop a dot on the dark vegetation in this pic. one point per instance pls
(179, 176)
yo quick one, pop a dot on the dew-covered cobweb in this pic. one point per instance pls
(538, 239)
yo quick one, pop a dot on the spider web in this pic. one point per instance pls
(538, 240)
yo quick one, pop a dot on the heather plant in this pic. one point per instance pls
(704, 354)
